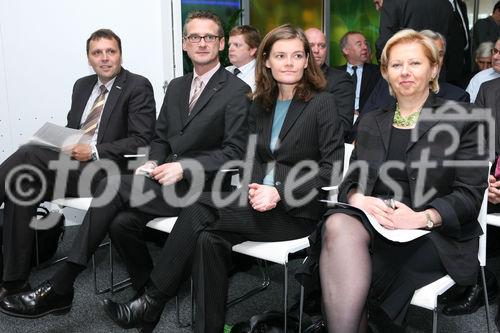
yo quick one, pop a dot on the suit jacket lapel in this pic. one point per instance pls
(294, 111)
(114, 94)
(212, 87)
(384, 123)
(267, 125)
(365, 76)
(184, 99)
(80, 103)
(429, 121)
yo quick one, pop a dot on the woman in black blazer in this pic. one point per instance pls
(410, 169)
(294, 123)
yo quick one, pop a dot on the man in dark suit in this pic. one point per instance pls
(472, 299)
(116, 109)
(339, 83)
(355, 49)
(489, 97)
(437, 15)
(202, 124)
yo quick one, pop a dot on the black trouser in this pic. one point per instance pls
(201, 240)
(101, 215)
(18, 237)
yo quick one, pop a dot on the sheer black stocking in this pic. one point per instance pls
(345, 273)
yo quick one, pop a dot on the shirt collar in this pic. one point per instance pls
(247, 67)
(357, 66)
(208, 75)
(108, 85)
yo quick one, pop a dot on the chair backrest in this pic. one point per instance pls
(483, 221)
(348, 148)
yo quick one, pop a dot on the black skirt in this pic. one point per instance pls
(398, 269)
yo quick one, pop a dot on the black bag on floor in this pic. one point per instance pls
(272, 322)
(49, 232)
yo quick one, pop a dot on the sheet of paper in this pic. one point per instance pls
(55, 137)
(397, 235)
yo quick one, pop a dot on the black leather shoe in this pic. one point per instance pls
(7, 291)
(37, 303)
(142, 313)
(473, 299)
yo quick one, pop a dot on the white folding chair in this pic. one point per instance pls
(278, 252)
(426, 297)
(83, 204)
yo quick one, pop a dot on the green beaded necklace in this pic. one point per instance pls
(401, 121)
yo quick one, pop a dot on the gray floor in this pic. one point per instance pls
(87, 315)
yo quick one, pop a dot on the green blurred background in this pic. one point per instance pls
(344, 15)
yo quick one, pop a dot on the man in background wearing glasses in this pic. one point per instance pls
(487, 74)
(203, 118)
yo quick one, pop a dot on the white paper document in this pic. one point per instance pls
(397, 235)
(56, 137)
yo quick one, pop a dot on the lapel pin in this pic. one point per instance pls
(118, 87)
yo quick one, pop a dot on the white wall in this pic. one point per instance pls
(42, 53)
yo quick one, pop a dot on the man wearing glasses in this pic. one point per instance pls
(487, 74)
(203, 118)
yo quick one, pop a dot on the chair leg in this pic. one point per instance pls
(113, 287)
(193, 308)
(285, 297)
(266, 280)
(486, 302)
(434, 320)
(301, 307)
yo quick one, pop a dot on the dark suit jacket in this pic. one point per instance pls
(458, 190)
(309, 132)
(371, 75)
(128, 119)
(436, 15)
(341, 85)
(216, 130)
(489, 97)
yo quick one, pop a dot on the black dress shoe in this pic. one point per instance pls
(142, 313)
(38, 303)
(473, 299)
(7, 291)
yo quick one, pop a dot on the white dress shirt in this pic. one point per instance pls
(247, 73)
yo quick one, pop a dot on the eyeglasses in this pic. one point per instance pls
(197, 39)
(494, 51)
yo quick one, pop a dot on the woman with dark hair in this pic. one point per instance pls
(294, 122)
(423, 170)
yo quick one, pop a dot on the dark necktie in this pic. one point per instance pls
(236, 71)
(90, 124)
(355, 76)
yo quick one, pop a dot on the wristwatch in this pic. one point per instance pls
(430, 221)
(93, 155)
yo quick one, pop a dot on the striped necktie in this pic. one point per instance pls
(90, 124)
(198, 88)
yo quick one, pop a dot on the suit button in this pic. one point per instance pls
(181, 132)
(413, 178)
(174, 156)
(278, 183)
